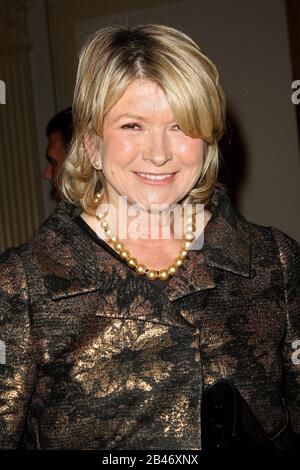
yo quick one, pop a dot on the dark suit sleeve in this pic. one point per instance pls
(289, 254)
(17, 362)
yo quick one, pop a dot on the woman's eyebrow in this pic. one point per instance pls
(135, 116)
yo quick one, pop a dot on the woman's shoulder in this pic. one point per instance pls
(228, 217)
(271, 245)
(58, 259)
(288, 250)
(56, 232)
(278, 237)
(265, 245)
(54, 228)
(13, 278)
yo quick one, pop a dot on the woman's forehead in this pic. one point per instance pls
(141, 100)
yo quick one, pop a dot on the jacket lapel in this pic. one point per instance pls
(67, 259)
(72, 264)
(227, 246)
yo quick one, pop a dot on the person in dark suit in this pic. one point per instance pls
(114, 337)
(59, 133)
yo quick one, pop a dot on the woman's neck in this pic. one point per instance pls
(144, 228)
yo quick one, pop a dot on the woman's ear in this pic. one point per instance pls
(90, 148)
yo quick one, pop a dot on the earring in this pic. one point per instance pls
(97, 193)
(96, 162)
(97, 197)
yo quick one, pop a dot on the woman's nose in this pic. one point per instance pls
(157, 149)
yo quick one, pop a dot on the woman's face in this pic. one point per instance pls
(140, 135)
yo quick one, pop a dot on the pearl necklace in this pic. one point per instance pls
(141, 269)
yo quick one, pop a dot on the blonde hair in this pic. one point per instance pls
(109, 61)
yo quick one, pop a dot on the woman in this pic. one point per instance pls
(112, 337)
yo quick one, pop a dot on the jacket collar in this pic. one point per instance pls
(72, 264)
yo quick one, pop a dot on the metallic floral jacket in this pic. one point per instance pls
(94, 356)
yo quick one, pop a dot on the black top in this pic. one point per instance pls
(93, 235)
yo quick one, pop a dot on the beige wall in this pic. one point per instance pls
(248, 41)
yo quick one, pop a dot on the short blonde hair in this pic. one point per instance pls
(109, 61)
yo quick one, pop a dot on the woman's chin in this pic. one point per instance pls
(154, 205)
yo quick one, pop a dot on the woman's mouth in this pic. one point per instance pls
(156, 178)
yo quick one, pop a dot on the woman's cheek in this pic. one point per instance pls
(188, 145)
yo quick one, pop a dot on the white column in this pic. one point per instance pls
(21, 209)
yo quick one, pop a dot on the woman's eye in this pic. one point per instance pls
(132, 126)
(129, 126)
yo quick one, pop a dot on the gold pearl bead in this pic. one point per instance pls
(184, 253)
(190, 228)
(118, 246)
(151, 274)
(178, 261)
(189, 219)
(124, 254)
(108, 232)
(96, 200)
(186, 244)
(98, 195)
(140, 269)
(132, 262)
(163, 275)
(189, 236)
(104, 223)
(172, 270)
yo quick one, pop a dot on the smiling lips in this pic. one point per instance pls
(156, 178)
